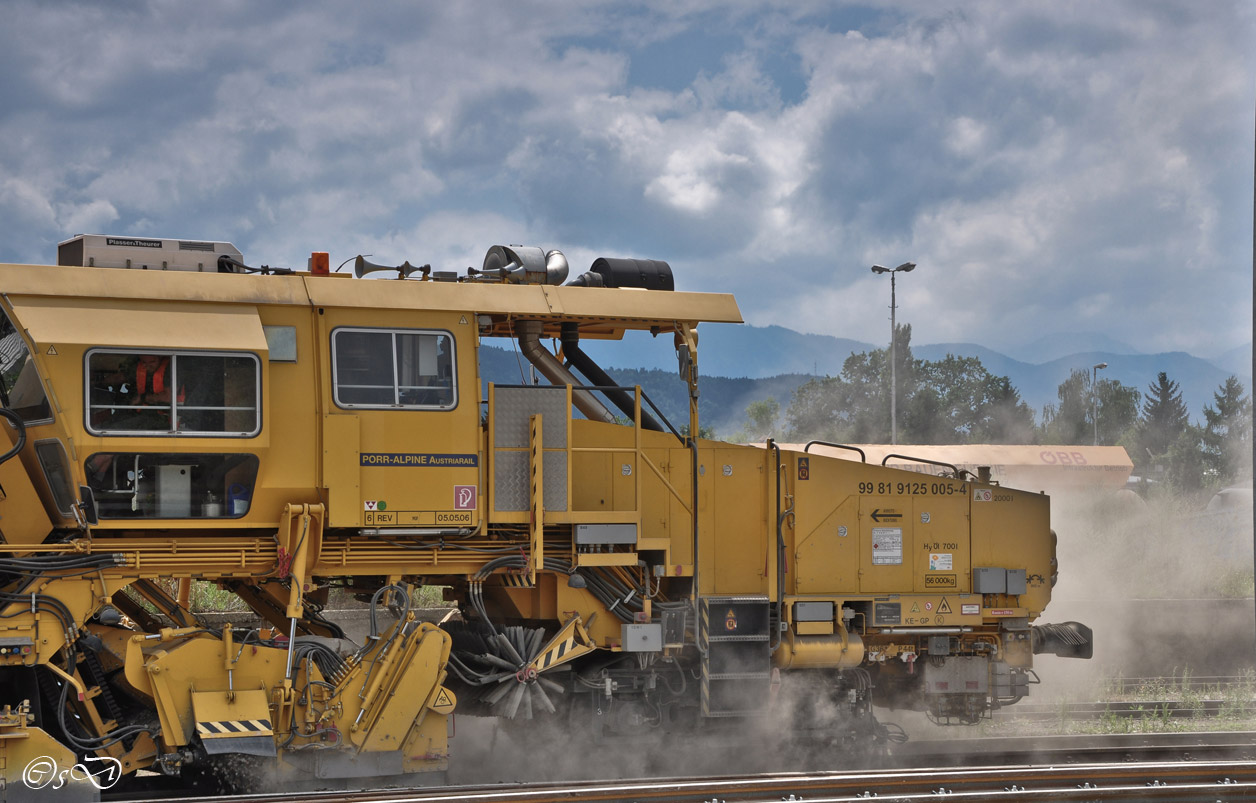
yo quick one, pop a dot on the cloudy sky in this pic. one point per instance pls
(1051, 166)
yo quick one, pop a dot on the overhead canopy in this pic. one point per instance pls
(600, 312)
(55, 321)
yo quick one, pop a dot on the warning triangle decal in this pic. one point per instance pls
(915, 608)
(52, 351)
(443, 699)
(945, 607)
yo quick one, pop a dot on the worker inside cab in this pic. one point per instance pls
(133, 392)
(188, 393)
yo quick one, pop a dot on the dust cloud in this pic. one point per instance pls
(802, 731)
(1165, 583)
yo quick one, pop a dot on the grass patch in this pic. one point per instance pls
(429, 597)
(1151, 709)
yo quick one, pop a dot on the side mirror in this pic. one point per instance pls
(682, 361)
(87, 504)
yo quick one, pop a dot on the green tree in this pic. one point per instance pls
(958, 401)
(1118, 410)
(816, 410)
(1166, 444)
(705, 431)
(761, 419)
(905, 381)
(853, 407)
(1069, 421)
(1072, 421)
(953, 400)
(1185, 463)
(1227, 436)
(1164, 419)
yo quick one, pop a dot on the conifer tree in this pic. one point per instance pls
(1228, 432)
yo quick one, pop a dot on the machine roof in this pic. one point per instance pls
(602, 312)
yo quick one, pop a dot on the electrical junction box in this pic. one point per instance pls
(1016, 584)
(590, 534)
(642, 638)
(989, 581)
(813, 611)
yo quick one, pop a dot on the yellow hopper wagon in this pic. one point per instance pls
(174, 415)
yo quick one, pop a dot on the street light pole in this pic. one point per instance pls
(906, 267)
(1094, 397)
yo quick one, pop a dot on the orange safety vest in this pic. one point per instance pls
(159, 378)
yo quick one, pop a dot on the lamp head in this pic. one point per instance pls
(880, 269)
(906, 267)
(1100, 365)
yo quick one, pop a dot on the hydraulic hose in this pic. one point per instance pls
(20, 426)
(570, 338)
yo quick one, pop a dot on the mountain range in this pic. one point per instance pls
(741, 364)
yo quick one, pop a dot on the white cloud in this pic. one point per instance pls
(1050, 166)
(90, 217)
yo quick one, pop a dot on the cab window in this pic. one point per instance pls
(20, 388)
(169, 393)
(130, 485)
(393, 368)
(52, 460)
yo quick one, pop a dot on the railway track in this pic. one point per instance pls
(1142, 709)
(1160, 767)
(1232, 780)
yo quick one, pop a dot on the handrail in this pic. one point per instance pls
(862, 456)
(780, 548)
(956, 470)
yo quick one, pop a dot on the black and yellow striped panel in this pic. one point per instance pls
(704, 645)
(233, 728)
(516, 581)
(555, 654)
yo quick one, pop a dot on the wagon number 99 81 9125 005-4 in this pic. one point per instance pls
(935, 488)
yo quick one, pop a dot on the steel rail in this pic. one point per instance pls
(1234, 780)
(1197, 772)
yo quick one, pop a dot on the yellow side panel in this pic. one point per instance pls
(1013, 531)
(341, 470)
(23, 519)
(887, 560)
(416, 467)
(942, 540)
(826, 559)
(418, 685)
(623, 482)
(217, 714)
(656, 503)
(292, 419)
(681, 519)
(741, 532)
(591, 488)
(35, 766)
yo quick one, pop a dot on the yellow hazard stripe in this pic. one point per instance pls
(234, 728)
(554, 655)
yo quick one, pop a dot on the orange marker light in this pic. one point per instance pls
(319, 261)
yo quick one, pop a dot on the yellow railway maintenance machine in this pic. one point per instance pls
(175, 415)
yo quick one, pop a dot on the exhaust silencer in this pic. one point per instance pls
(525, 264)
